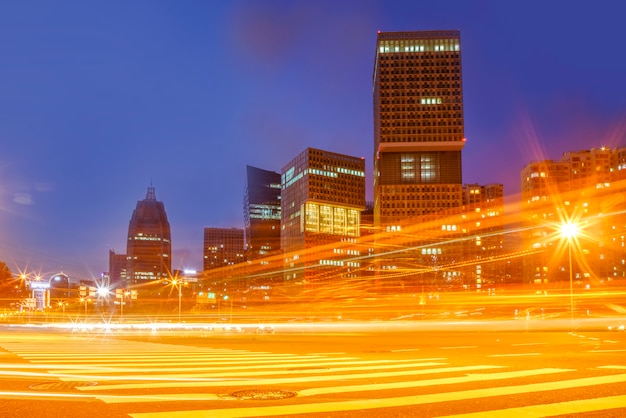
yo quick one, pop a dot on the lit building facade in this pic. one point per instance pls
(323, 195)
(261, 213)
(418, 125)
(418, 139)
(223, 247)
(149, 247)
(586, 187)
(484, 238)
(223, 257)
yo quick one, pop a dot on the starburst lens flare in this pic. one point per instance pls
(569, 230)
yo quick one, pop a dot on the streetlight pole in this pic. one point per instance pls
(180, 295)
(569, 231)
(571, 281)
(178, 284)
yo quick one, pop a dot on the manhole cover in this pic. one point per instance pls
(262, 395)
(61, 385)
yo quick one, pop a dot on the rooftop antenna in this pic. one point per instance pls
(151, 195)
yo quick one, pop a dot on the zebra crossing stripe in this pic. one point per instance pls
(560, 408)
(478, 377)
(292, 364)
(258, 371)
(373, 403)
(339, 389)
(281, 381)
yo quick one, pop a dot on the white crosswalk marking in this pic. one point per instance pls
(136, 374)
(560, 408)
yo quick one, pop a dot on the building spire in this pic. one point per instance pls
(151, 195)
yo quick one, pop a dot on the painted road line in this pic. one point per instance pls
(525, 344)
(281, 381)
(514, 355)
(559, 408)
(165, 368)
(459, 347)
(367, 404)
(346, 367)
(478, 377)
(156, 359)
(359, 388)
(172, 361)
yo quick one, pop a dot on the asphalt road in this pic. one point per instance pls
(394, 371)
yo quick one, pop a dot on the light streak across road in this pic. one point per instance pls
(158, 380)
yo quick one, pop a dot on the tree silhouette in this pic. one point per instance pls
(10, 289)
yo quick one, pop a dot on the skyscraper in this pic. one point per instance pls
(418, 138)
(323, 195)
(261, 213)
(418, 125)
(149, 247)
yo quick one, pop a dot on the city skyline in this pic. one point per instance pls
(94, 112)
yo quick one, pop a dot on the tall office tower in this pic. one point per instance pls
(323, 194)
(149, 247)
(586, 187)
(222, 247)
(418, 138)
(261, 213)
(418, 125)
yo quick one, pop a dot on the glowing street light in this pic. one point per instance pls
(569, 231)
(178, 283)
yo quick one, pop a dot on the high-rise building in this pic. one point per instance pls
(323, 195)
(149, 246)
(418, 125)
(222, 247)
(418, 139)
(261, 213)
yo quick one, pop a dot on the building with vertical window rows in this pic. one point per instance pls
(222, 247)
(418, 139)
(323, 195)
(418, 125)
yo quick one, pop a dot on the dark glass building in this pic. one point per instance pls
(117, 268)
(261, 212)
(149, 246)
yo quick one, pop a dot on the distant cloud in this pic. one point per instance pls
(26, 197)
(43, 187)
(23, 198)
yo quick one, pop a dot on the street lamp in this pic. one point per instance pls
(569, 230)
(178, 284)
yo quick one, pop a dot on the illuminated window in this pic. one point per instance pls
(325, 223)
(428, 169)
(407, 165)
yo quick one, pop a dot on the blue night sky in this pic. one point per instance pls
(100, 99)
